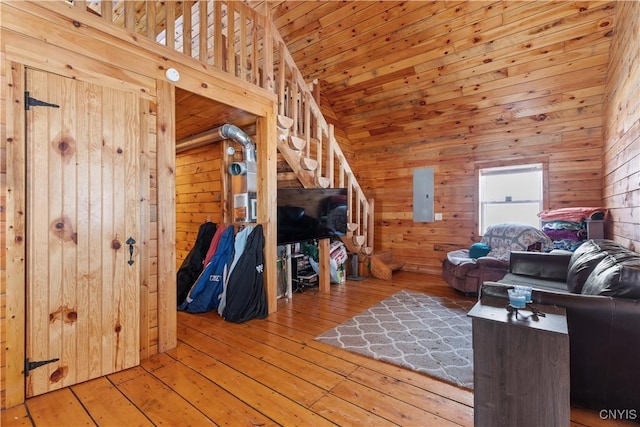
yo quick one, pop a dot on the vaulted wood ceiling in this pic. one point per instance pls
(414, 71)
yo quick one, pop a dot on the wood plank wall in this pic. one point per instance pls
(621, 169)
(554, 117)
(199, 194)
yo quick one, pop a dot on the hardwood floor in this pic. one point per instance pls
(268, 372)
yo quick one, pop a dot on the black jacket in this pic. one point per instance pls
(246, 298)
(192, 266)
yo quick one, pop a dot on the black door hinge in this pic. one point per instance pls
(29, 366)
(32, 102)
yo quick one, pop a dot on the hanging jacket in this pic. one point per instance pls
(246, 298)
(192, 265)
(205, 293)
(211, 250)
(240, 243)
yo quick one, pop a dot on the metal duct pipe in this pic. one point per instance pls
(216, 135)
(235, 133)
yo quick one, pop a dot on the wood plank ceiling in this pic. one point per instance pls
(415, 71)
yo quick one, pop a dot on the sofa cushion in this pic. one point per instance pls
(587, 257)
(617, 275)
(547, 266)
(582, 263)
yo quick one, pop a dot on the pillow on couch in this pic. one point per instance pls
(478, 250)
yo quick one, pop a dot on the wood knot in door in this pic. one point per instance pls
(64, 314)
(65, 145)
(62, 228)
(115, 244)
(59, 374)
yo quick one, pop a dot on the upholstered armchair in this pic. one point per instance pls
(487, 261)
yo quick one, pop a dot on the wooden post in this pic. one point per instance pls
(186, 28)
(143, 230)
(203, 28)
(130, 16)
(243, 44)
(106, 10)
(170, 25)
(166, 166)
(231, 38)
(324, 255)
(15, 256)
(267, 153)
(151, 20)
(330, 144)
(218, 44)
(282, 71)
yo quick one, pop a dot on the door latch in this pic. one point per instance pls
(130, 241)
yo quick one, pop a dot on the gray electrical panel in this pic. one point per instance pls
(423, 195)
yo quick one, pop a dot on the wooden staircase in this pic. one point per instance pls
(245, 43)
(308, 144)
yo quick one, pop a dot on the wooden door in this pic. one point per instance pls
(82, 207)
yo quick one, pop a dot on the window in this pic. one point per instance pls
(510, 194)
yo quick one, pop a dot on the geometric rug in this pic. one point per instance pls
(428, 334)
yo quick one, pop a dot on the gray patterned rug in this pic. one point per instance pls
(425, 333)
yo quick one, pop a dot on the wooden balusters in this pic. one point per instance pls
(203, 28)
(187, 27)
(218, 37)
(170, 25)
(106, 10)
(231, 31)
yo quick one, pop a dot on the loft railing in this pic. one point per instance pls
(245, 43)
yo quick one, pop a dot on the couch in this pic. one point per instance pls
(465, 272)
(599, 286)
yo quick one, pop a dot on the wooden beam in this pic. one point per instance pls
(267, 199)
(14, 315)
(324, 255)
(166, 159)
(144, 171)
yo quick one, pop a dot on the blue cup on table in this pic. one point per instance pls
(526, 290)
(517, 298)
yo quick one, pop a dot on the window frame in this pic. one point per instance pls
(544, 161)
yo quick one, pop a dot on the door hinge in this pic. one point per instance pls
(28, 366)
(33, 102)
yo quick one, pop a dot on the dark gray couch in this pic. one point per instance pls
(599, 286)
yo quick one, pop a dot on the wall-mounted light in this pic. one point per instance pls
(172, 75)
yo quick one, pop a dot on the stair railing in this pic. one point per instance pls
(245, 43)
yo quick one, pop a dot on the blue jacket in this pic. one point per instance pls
(205, 293)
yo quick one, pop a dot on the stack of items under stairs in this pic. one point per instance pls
(224, 272)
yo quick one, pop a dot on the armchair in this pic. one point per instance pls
(465, 273)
